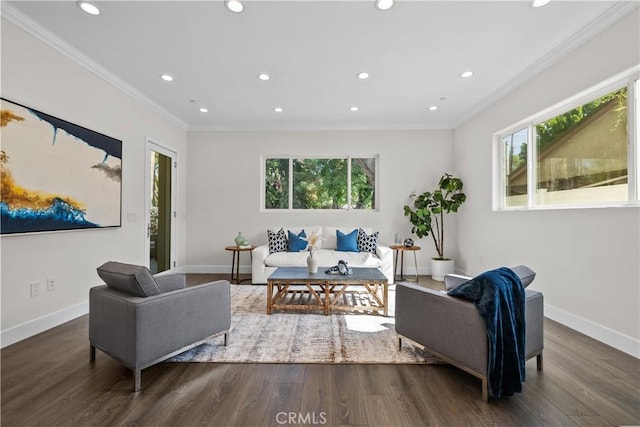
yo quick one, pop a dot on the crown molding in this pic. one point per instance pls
(595, 27)
(13, 15)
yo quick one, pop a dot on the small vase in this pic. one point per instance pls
(312, 263)
(240, 240)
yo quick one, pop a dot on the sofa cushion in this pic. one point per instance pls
(297, 242)
(329, 235)
(347, 242)
(366, 242)
(132, 279)
(277, 241)
(326, 258)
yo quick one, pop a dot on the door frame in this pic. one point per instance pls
(152, 145)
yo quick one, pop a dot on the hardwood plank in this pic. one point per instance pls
(49, 380)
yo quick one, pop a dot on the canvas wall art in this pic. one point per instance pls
(56, 175)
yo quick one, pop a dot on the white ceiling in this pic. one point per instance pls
(313, 50)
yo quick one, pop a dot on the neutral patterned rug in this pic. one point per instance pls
(305, 337)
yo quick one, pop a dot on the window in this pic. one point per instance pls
(582, 154)
(320, 183)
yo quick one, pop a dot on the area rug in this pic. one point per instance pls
(305, 337)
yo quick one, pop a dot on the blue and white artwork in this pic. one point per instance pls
(56, 175)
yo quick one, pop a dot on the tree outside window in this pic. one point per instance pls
(317, 183)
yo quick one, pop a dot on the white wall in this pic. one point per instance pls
(587, 260)
(35, 75)
(224, 186)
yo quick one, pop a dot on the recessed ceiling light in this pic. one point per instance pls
(204, 110)
(88, 8)
(264, 76)
(234, 6)
(384, 4)
(433, 108)
(466, 74)
(354, 108)
(278, 109)
(166, 77)
(539, 3)
(363, 75)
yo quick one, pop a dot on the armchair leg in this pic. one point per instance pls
(226, 338)
(539, 362)
(92, 353)
(136, 380)
(485, 389)
(399, 343)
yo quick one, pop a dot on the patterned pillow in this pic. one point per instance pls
(277, 241)
(367, 243)
(297, 242)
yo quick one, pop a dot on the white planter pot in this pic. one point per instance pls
(440, 267)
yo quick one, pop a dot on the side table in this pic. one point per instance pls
(235, 262)
(402, 249)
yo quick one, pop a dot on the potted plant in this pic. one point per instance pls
(427, 217)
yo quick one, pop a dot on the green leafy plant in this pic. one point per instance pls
(427, 214)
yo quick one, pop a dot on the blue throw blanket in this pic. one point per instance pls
(499, 296)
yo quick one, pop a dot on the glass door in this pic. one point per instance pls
(160, 208)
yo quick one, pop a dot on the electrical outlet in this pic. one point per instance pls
(36, 289)
(51, 284)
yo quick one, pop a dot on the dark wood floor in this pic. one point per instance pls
(47, 380)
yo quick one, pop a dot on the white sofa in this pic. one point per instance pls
(263, 263)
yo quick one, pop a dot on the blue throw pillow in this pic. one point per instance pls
(347, 242)
(297, 242)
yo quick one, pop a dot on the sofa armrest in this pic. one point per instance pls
(454, 280)
(171, 282)
(449, 326)
(138, 331)
(386, 262)
(259, 271)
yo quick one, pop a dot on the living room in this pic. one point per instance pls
(586, 259)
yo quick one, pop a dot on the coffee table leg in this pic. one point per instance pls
(269, 296)
(326, 299)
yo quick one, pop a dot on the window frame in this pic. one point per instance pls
(629, 78)
(292, 158)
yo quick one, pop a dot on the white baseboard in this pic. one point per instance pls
(594, 330)
(41, 324)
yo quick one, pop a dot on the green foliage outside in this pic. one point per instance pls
(552, 130)
(320, 183)
(276, 183)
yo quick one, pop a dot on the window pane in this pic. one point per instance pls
(363, 183)
(515, 156)
(276, 180)
(582, 154)
(319, 183)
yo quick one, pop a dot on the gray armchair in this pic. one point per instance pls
(141, 320)
(452, 329)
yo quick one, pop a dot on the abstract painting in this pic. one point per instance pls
(56, 175)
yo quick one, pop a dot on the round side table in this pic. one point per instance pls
(402, 249)
(235, 262)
